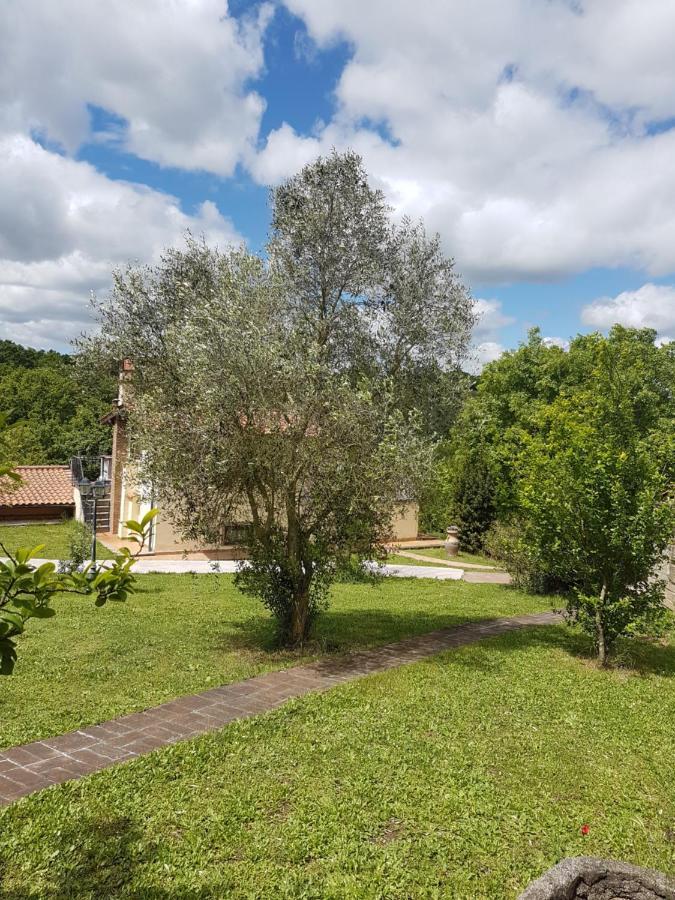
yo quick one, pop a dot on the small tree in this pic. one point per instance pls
(596, 494)
(271, 392)
(473, 497)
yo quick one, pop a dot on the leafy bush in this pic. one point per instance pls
(505, 543)
(460, 491)
(79, 547)
(27, 590)
(596, 495)
(473, 501)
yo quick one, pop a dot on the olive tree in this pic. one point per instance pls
(267, 391)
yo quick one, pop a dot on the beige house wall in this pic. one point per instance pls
(405, 524)
(135, 500)
(166, 539)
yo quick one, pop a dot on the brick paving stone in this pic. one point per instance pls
(67, 743)
(32, 767)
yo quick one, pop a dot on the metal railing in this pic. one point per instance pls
(94, 468)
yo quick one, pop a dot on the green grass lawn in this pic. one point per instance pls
(460, 777)
(185, 633)
(55, 538)
(476, 559)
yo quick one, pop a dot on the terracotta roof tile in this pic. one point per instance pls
(40, 485)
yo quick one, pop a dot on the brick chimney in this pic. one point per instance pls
(120, 446)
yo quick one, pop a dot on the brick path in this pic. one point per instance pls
(31, 767)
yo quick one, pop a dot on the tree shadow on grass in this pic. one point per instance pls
(341, 631)
(644, 657)
(96, 857)
(639, 657)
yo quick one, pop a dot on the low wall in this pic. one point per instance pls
(44, 514)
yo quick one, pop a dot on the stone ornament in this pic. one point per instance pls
(591, 878)
(452, 541)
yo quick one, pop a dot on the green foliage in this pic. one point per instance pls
(273, 576)
(14, 356)
(27, 590)
(484, 460)
(514, 392)
(53, 415)
(596, 485)
(473, 502)
(505, 543)
(463, 488)
(79, 546)
(273, 391)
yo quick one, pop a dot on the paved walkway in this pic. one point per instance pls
(146, 564)
(32, 767)
(457, 564)
(487, 577)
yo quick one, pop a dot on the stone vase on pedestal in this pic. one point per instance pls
(452, 541)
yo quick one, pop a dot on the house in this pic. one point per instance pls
(127, 499)
(45, 494)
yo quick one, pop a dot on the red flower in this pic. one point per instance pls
(585, 829)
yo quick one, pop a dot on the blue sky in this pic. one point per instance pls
(298, 87)
(536, 137)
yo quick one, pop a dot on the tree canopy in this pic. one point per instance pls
(573, 453)
(51, 412)
(513, 393)
(279, 391)
(596, 489)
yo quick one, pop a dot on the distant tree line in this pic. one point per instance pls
(51, 406)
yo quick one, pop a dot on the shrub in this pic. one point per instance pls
(473, 501)
(79, 547)
(504, 542)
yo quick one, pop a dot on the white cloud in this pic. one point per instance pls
(484, 353)
(519, 127)
(516, 128)
(63, 226)
(651, 306)
(556, 342)
(490, 319)
(172, 77)
(487, 345)
(174, 71)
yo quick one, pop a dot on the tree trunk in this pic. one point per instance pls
(600, 628)
(301, 577)
(299, 624)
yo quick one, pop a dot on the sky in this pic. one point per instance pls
(536, 136)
